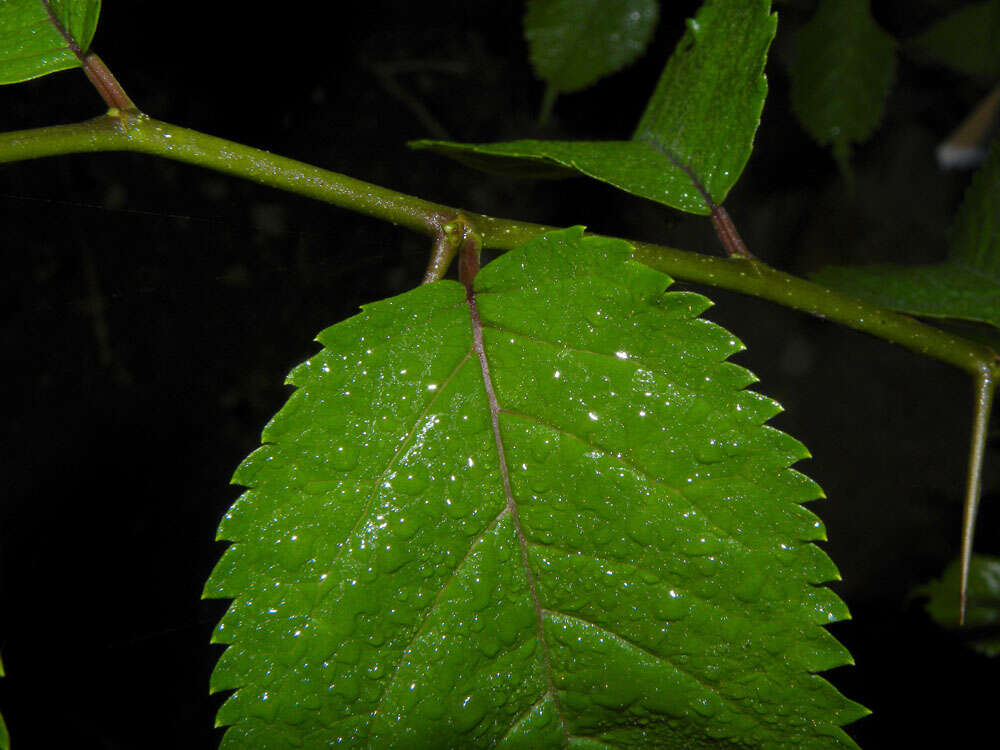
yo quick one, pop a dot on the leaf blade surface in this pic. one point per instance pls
(603, 546)
(843, 67)
(707, 104)
(572, 44)
(31, 43)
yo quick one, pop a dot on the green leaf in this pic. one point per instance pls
(841, 70)
(546, 513)
(966, 286)
(982, 615)
(965, 40)
(697, 131)
(707, 104)
(573, 43)
(37, 37)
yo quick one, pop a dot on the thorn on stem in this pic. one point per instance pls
(985, 386)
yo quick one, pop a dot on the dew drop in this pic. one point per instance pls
(711, 451)
(410, 482)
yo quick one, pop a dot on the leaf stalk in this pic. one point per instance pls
(97, 72)
(447, 242)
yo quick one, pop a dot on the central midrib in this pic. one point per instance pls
(494, 407)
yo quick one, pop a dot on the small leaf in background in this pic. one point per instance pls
(546, 510)
(573, 43)
(965, 41)
(841, 70)
(30, 43)
(982, 616)
(702, 117)
(966, 286)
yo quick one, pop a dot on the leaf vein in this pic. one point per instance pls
(635, 467)
(642, 649)
(522, 717)
(564, 347)
(605, 561)
(494, 407)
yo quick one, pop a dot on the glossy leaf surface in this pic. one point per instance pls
(841, 71)
(965, 40)
(966, 286)
(982, 616)
(31, 43)
(544, 515)
(573, 43)
(698, 125)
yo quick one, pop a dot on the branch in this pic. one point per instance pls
(133, 131)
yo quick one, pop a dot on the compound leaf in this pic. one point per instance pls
(573, 43)
(697, 132)
(982, 615)
(545, 513)
(966, 286)
(841, 70)
(37, 37)
(965, 40)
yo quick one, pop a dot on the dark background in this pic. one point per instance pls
(151, 310)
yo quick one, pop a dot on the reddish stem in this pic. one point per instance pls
(468, 259)
(105, 83)
(724, 227)
(97, 72)
(728, 235)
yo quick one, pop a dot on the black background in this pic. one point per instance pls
(150, 311)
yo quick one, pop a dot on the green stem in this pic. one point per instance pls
(133, 131)
(446, 245)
